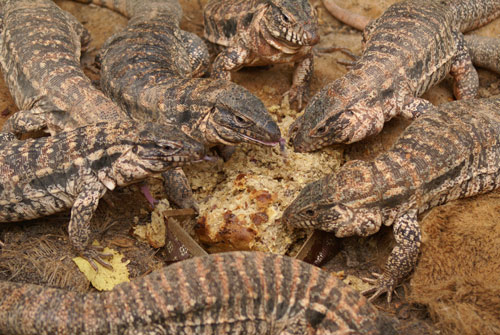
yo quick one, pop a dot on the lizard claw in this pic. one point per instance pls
(296, 93)
(94, 254)
(382, 283)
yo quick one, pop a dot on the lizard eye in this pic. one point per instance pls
(168, 146)
(285, 18)
(349, 112)
(321, 130)
(241, 121)
(310, 212)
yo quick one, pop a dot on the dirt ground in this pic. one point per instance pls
(456, 286)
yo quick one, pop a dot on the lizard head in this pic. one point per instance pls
(338, 203)
(235, 115)
(293, 22)
(341, 112)
(142, 149)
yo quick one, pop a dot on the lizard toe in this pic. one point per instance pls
(382, 284)
(94, 254)
(296, 94)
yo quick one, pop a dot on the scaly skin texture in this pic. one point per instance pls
(231, 293)
(40, 47)
(484, 51)
(131, 8)
(451, 151)
(150, 69)
(410, 48)
(263, 32)
(74, 170)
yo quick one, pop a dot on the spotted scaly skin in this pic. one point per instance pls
(131, 8)
(263, 32)
(74, 170)
(450, 152)
(151, 70)
(231, 293)
(40, 47)
(410, 48)
(484, 51)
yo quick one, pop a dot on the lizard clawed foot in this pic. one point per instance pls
(93, 254)
(382, 284)
(295, 93)
(345, 51)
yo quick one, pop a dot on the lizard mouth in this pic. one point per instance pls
(293, 38)
(251, 139)
(287, 37)
(228, 136)
(172, 159)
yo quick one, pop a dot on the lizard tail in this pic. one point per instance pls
(472, 14)
(119, 6)
(484, 51)
(354, 20)
(132, 8)
(24, 309)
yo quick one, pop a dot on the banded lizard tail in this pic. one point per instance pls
(231, 293)
(452, 151)
(74, 170)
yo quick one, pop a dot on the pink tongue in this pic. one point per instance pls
(210, 158)
(147, 195)
(282, 143)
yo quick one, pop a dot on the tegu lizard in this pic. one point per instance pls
(74, 170)
(451, 151)
(236, 293)
(410, 48)
(152, 68)
(263, 32)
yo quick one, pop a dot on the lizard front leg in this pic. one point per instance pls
(403, 257)
(301, 78)
(414, 107)
(39, 118)
(230, 59)
(26, 121)
(7, 137)
(83, 209)
(178, 189)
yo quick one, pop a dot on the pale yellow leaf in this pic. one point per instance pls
(105, 279)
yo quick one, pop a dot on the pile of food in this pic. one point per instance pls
(242, 200)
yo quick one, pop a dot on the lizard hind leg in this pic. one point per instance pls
(403, 257)
(466, 80)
